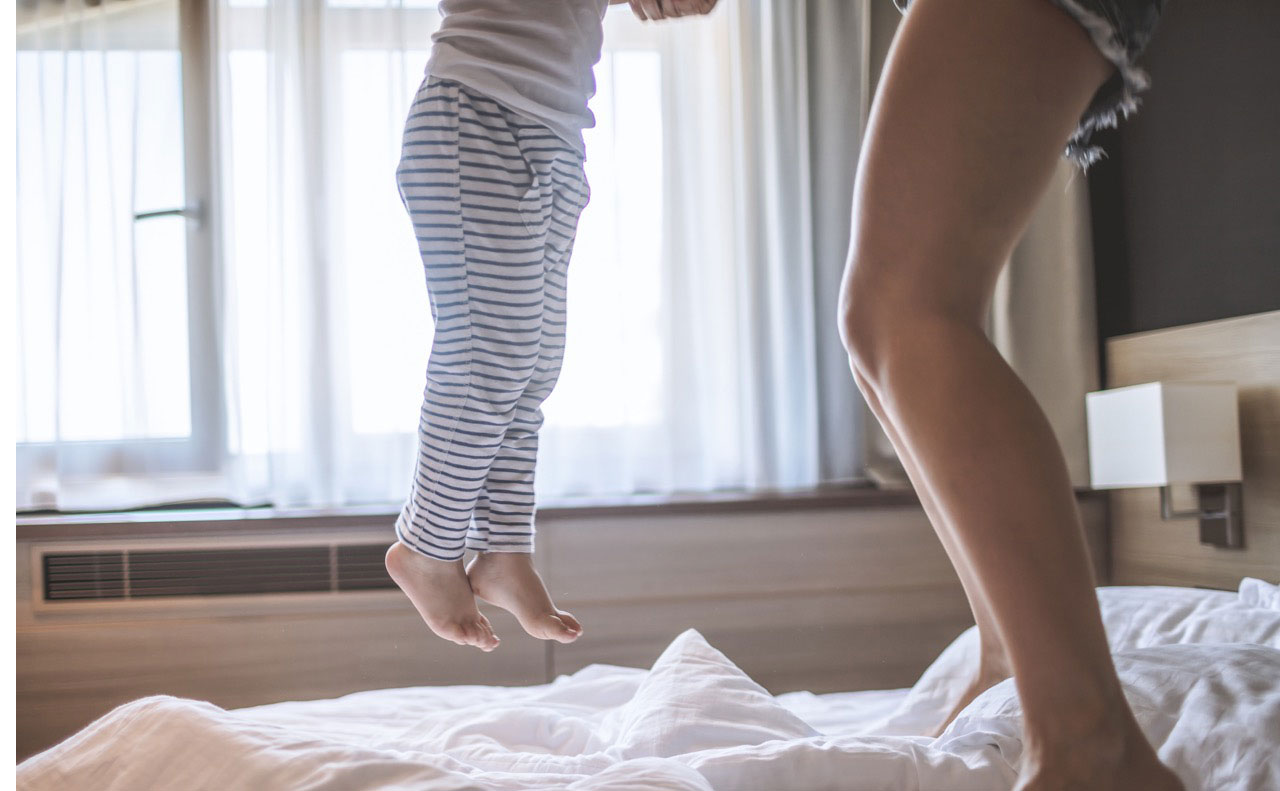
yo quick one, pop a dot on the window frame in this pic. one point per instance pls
(198, 452)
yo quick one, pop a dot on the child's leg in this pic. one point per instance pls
(478, 533)
(504, 573)
(463, 180)
(507, 522)
(484, 270)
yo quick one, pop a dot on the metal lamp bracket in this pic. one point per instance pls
(1220, 511)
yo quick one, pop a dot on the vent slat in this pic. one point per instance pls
(160, 574)
(225, 590)
(117, 580)
(69, 576)
(145, 579)
(69, 584)
(248, 562)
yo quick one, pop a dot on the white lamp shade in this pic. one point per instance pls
(1163, 433)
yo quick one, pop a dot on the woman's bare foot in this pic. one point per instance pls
(1108, 758)
(442, 595)
(509, 580)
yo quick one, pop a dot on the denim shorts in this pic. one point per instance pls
(1120, 29)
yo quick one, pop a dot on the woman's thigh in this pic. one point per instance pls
(971, 116)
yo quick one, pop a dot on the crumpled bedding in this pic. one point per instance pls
(695, 722)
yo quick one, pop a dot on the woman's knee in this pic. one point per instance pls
(872, 309)
(894, 318)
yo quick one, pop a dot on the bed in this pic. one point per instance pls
(1200, 667)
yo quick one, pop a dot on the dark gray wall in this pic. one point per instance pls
(1187, 208)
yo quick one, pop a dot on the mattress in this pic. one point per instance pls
(1200, 668)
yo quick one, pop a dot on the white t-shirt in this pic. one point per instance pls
(534, 56)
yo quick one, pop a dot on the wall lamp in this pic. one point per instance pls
(1169, 434)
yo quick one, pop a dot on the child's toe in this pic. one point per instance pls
(554, 628)
(571, 622)
(474, 634)
(488, 640)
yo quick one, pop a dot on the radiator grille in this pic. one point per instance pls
(84, 575)
(141, 574)
(361, 567)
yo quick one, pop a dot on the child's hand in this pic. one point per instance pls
(670, 9)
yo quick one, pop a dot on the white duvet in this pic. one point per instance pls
(695, 722)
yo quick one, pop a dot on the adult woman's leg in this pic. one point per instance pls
(972, 114)
(993, 662)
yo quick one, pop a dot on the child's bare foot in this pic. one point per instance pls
(440, 592)
(509, 580)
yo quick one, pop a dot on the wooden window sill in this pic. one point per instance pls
(217, 517)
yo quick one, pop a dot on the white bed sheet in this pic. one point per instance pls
(848, 713)
(693, 722)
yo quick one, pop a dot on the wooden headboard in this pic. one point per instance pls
(1146, 550)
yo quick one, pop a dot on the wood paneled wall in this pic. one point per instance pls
(824, 598)
(819, 600)
(1146, 550)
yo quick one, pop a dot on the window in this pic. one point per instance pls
(127, 379)
(113, 320)
(375, 332)
(222, 296)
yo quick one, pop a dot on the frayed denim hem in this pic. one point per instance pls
(1119, 96)
(1120, 29)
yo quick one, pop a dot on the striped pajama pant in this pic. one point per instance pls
(495, 200)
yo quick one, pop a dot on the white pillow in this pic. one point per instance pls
(1139, 617)
(1134, 616)
(694, 699)
(1256, 593)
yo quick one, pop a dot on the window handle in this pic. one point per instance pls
(195, 213)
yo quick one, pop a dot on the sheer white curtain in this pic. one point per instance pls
(701, 305)
(322, 311)
(104, 324)
(699, 334)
